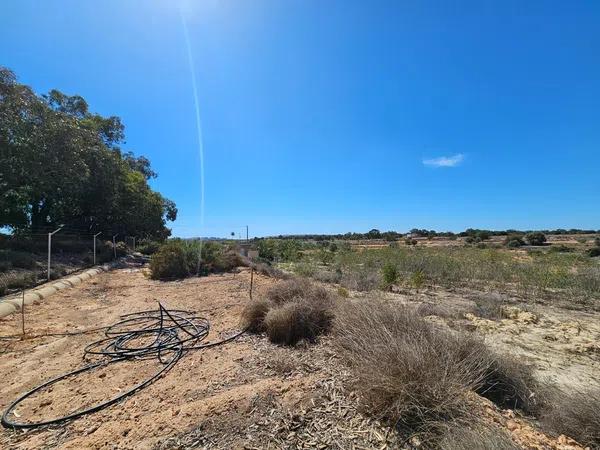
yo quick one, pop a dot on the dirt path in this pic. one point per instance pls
(198, 386)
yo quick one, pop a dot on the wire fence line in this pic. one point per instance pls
(30, 259)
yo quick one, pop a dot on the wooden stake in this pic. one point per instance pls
(23, 313)
(251, 281)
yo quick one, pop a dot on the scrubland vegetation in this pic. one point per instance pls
(571, 276)
(419, 377)
(179, 258)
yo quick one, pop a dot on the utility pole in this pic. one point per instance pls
(95, 236)
(50, 246)
(115, 246)
(246, 233)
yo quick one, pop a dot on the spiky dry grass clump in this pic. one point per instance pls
(414, 373)
(253, 315)
(297, 320)
(575, 414)
(295, 289)
(293, 310)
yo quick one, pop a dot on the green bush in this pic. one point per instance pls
(148, 247)
(514, 241)
(594, 252)
(536, 238)
(389, 275)
(179, 258)
(170, 262)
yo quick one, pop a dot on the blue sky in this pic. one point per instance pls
(335, 116)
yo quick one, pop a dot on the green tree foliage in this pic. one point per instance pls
(61, 164)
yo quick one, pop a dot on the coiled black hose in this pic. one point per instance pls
(162, 334)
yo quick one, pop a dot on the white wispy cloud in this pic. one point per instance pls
(445, 161)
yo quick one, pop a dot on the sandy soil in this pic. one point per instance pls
(168, 406)
(247, 393)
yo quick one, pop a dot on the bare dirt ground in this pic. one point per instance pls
(247, 393)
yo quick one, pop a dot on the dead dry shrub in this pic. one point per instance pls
(405, 369)
(575, 414)
(293, 310)
(253, 315)
(297, 289)
(362, 281)
(297, 320)
(416, 374)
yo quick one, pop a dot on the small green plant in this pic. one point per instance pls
(343, 292)
(390, 275)
(418, 279)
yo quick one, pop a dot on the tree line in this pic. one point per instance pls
(61, 164)
(416, 232)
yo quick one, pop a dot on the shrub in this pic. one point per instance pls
(301, 319)
(416, 379)
(489, 305)
(253, 315)
(535, 238)
(389, 275)
(418, 279)
(169, 262)
(594, 252)
(576, 415)
(360, 280)
(300, 310)
(296, 289)
(410, 241)
(148, 247)
(421, 377)
(179, 258)
(514, 241)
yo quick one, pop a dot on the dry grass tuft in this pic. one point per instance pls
(575, 414)
(416, 374)
(297, 288)
(294, 321)
(253, 315)
(406, 370)
(294, 310)
(480, 438)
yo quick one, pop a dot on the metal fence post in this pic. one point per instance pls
(115, 245)
(50, 247)
(95, 236)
